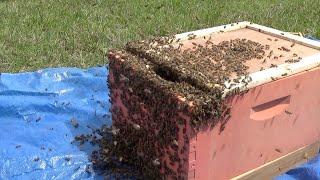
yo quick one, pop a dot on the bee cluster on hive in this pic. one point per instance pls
(162, 94)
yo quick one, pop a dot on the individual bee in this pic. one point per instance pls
(292, 60)
(295, 55)
(136, 126)
(275, 39)
(175, 142)
(293, 44)
(156, 162)
(289, 61)
(147, 91)
(191, 36)
(288, 112)
(273, 78)
(74, 123)
(261, 69)
(234, 91)
(180, 45)
(267, 47)
(123, 78)
(270, 54)
(273, 66)
(36, 159)
(269, 39)
(284, 74)
(278, 150)
(236, 80)
(285, 49)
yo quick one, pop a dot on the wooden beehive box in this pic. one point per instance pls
(215, 103)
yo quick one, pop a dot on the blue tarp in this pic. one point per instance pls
(36, 132)
(309, 170)
(35, 128)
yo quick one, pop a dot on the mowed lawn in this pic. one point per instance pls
(36, 34)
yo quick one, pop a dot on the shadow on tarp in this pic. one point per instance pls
(35, 129)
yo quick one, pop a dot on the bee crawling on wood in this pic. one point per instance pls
(273, 66)
(180, 45)
(278, 150)
(273, 78)
(288, 112)
(191, 36)
(267, 47)
(292, 60)
(284, 49)
(264, 60)
(234, 91)
(270, 54)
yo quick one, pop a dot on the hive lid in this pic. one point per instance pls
(284, 54)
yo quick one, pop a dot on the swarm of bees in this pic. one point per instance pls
(168, 95)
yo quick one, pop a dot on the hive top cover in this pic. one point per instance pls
(239, 51)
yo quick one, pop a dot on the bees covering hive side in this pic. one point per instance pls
(153, 121)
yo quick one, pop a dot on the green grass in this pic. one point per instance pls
(53, 33)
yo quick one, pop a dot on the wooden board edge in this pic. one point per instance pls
(282, 164)
(282, 71)
(217, 29)
(285, 35)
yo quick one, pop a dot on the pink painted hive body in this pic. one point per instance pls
(254, 137)
(267, 122)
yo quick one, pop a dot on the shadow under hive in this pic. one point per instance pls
(178, 113)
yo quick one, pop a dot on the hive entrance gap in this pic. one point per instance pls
(167, 74)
